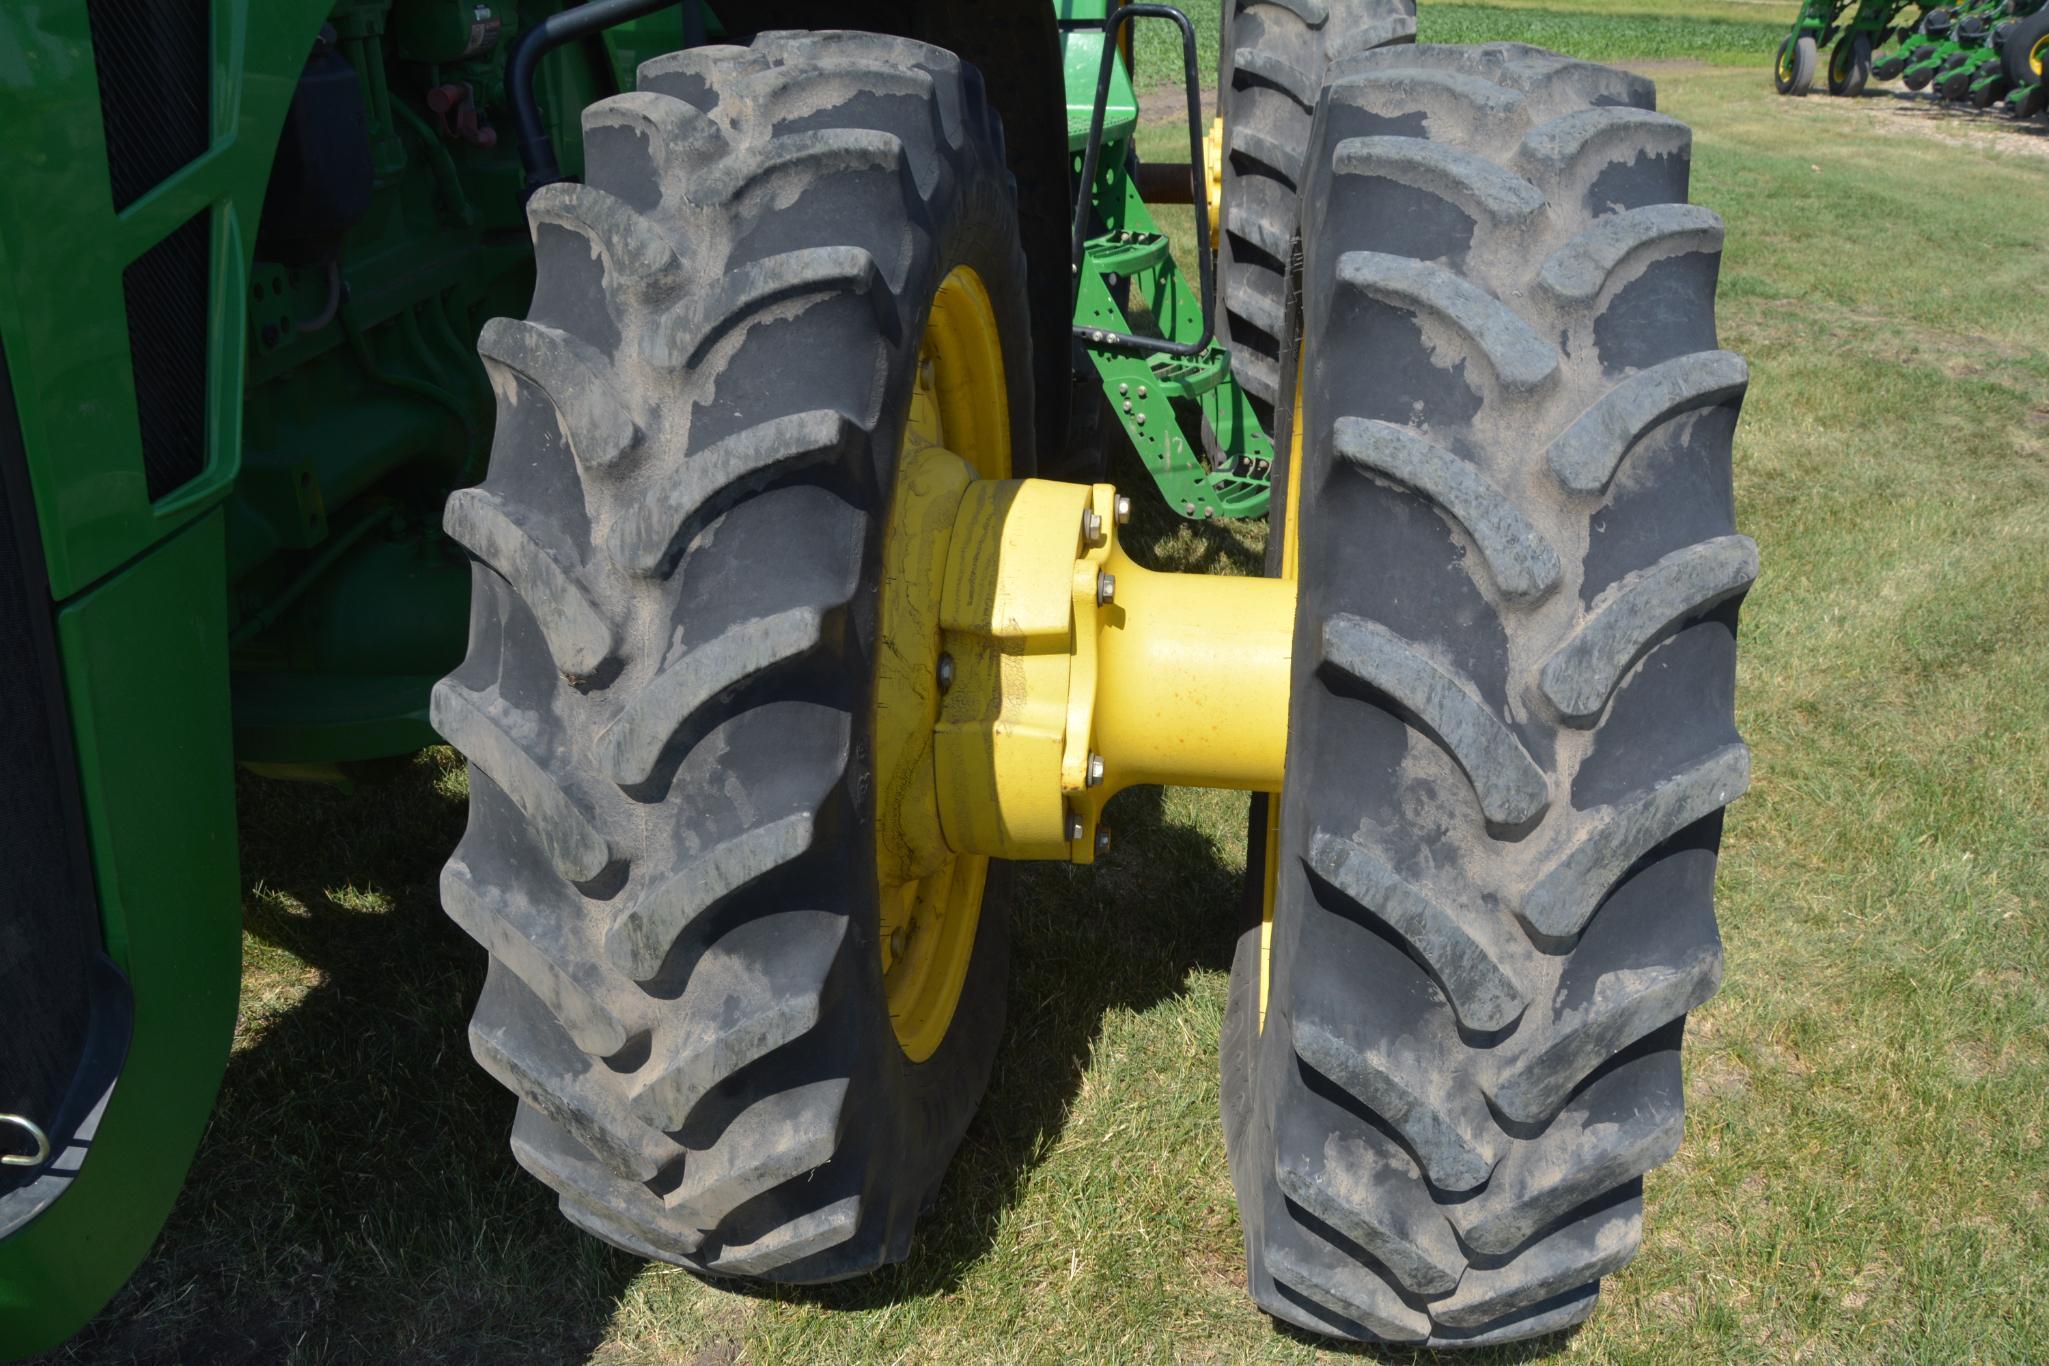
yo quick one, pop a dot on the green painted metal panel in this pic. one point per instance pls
(66, 333)
(145, 667)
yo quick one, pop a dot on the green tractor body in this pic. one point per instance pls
(240, 378)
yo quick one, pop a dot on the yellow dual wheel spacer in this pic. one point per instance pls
(958, 431)
(1028, 669)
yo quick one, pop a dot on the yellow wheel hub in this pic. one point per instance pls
(958, 431)
(1028, 669)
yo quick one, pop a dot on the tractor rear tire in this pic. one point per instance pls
(1511, 731)
(670, 854)
(2026, 53)
(1793, 71)
(1849, 65)
(1273, 61)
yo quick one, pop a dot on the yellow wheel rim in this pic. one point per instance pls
(957, 430)
(2038, 54)
(1291, 565)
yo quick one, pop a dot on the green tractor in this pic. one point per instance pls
(718, 401)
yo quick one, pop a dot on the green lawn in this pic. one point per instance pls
(1865, 1167)
(1741, 32)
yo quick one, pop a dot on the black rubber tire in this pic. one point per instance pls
(1917, 76)
(1955, 81)
(1272, 62)
(1889, 67)
(672, 654)
(1987, 91)
(2021, 40)
(1849, 65)
(1805, 58)
(1511, 722)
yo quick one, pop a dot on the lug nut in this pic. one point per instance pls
(1141, 419)
(1091, 527)
(1141, 391)
(1095, 775)
(1075, 829)
(945, 672)
(1122, 390)
(1102, 841)
(1123, 508)
(1106, 589)
(896, 943)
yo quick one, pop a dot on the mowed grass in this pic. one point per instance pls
(1865, 1165)
(1723, 31)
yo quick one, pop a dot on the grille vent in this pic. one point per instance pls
(155, 64)
(165, 289)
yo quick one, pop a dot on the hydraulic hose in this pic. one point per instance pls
(536, 149)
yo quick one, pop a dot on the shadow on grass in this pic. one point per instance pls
(1534, 1349)
(1932, 108)
(354, 1197)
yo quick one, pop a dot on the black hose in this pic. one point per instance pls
(536, 149)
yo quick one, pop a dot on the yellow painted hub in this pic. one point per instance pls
(1028, 669)
(1079, 673)
(958, 431)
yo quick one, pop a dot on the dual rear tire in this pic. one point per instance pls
(674, 658)
(1451, 1047)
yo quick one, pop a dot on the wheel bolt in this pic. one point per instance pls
(1106, 589)
(1074, 827)
(945, 672)
(1123, 508)
(1095, 774)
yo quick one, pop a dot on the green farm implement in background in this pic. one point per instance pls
(1980, 54)
(1850, 44)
